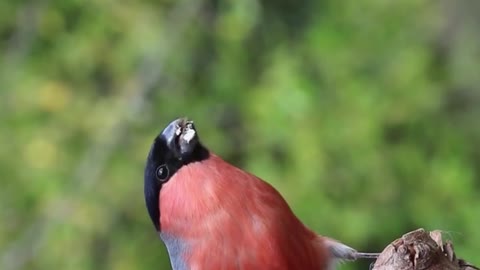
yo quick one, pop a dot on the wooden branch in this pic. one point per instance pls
(420, 250)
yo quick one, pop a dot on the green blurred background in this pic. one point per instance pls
(364, 114)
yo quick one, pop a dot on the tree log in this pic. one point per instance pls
(421, 250)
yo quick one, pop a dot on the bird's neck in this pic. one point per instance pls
(197, 191)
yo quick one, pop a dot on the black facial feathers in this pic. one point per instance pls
(176, 146)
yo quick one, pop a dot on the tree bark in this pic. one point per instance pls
(420, 250)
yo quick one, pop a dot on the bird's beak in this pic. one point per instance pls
(181, 137)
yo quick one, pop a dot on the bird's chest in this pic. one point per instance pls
(202, 235)
(210, 252)
(235, 252)
(218, 225)
(188, 208)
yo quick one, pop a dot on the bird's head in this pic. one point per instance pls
(176, 146)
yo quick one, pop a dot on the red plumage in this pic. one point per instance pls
(234, 220)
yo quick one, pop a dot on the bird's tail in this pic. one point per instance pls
(343, 252)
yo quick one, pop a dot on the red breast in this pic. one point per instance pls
(231, 219)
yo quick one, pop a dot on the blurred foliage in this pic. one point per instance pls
(364, 114)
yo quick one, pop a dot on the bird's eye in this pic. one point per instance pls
(162, 173)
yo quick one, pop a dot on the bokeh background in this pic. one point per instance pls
(364, 114)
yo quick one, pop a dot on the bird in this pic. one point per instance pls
(211, 214)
